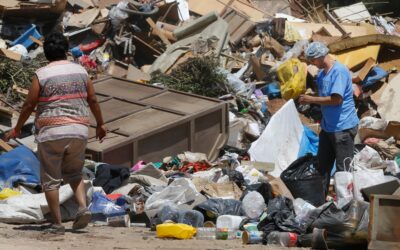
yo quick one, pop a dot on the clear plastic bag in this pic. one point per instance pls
(253, 204)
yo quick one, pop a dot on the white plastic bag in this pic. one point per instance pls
(280, 142)
(367, 158)
(363, 178)
(344, 186)
(180, 191)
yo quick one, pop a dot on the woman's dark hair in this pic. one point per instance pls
(55, 46)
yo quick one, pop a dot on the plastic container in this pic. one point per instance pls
(24, 38)
(229, 221)
(284, 239)
(178, 231)
(119, 221)
(225, 234)
(76, 52)
(206, 233)
(253, 204)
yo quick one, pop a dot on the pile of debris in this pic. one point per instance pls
(224, 84)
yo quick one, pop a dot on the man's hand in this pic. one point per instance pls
(13, 133)
(306, 99)
(101, 132)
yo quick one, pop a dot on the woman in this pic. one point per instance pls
(61, 91)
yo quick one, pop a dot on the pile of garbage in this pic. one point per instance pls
(263, 186)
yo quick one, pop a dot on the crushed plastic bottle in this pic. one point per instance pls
(284, 239)
(206, 233)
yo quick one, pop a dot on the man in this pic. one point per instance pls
(339, 117)
(61, 91)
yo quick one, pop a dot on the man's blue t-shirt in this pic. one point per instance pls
(336, 118)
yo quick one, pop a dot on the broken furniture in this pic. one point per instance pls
(148, 123)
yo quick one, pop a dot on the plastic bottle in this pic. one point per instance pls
(191, 217)
(253, 204)
(225, 234)
(168, 213)
(171, 230)
(229, 221)
(284, 239)
(205, 233)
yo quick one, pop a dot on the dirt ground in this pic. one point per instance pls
(22, 237)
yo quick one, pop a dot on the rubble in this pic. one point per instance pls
(201, 99)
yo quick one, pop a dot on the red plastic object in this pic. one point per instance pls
(86, 48)
(113, 196)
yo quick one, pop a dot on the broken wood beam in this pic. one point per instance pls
(20, 90)
(4, 145)
(336, 24)
(257, 69)
(157, 31)
(147, 45)
(360, 41)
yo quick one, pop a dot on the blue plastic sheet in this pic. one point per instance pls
(272, 90)
(376, 74)
(102, 205)
(309, 142)
(20, 165)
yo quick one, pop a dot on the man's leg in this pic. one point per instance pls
(50, 155)
(344, 148)
(72, 172)
(54, 205)
(326, 158)
(80, 193)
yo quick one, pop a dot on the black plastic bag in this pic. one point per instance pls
(212, 208)
(304, 181)
(280, 217)
(263, 188)
(346, 228)
(234, 176)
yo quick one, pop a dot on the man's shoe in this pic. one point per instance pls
(82, 219)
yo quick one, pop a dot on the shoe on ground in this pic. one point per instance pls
(82, 219)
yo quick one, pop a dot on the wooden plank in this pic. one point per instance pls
(20, 90)
(336, 24)
(235, 23)
(135, 74)
(255, 63)
(83, 19)
(242, 31)
(205, 6)
(10, 54)
(37, 41)
(9, 3)
(157, 31)
(306, 29)
(365, 70)
(4, 145)
(384, 229)
(260, 166)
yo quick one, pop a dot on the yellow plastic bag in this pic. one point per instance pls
(292, 75)
(171, 230)
(7, 193)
